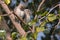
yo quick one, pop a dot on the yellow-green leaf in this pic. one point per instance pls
(14, 35)
(43, 23)
(7, 1)
(40, 29)
(23, 38)
(32, 22)
(35, 35)
(43, 14)
(51, 17)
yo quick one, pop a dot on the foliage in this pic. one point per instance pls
(50, 18)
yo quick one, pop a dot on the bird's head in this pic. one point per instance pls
(27, 11)
(21, 7)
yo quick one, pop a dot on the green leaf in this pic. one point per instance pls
(14, 35)
(39, 13)
(35, 35)
(23, 38)
(43, 14)
(40, 29)
(51, 17)
(43, 23)
(32, 22)
(3, 34)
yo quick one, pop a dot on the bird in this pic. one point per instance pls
(19, 10)
(25, 14)
(28, 16)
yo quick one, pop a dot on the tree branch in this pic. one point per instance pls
(17, 25)
(5, 26)
(8, 35)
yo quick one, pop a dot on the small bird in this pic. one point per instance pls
(29, 15)
(19, 10)
(23, 13)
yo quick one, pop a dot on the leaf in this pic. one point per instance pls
(43, 14)
(40, 29)
(23, 38)
(32, 22)
(7, 1)
(3, 34)
(39, 13)
(43, 23)
(35, 35)
(51, 17)
(14, 35)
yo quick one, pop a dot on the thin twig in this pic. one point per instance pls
(39, 7)
(6, 14)
(55, 27)
(32, 29)
(28, 32)
(50, 11)
(58, 22)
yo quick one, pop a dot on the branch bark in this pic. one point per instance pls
(17, 25)
(8, 35)
(5, 26)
